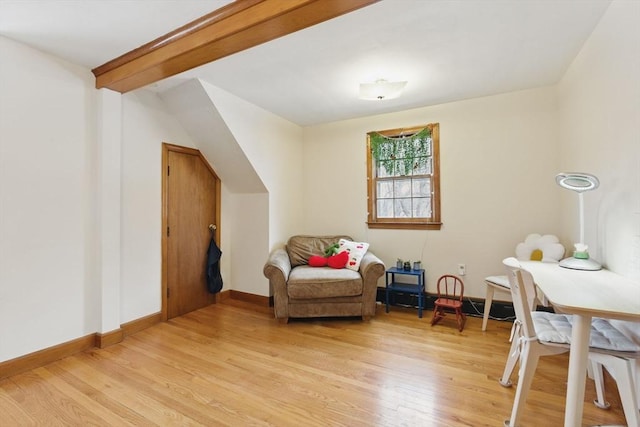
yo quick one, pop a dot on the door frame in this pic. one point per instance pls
(166, 148)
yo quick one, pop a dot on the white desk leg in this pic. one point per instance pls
(578, 357)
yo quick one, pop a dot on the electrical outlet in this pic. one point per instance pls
(462, 269)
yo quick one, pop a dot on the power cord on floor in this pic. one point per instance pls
(480, 314)
(477, 313)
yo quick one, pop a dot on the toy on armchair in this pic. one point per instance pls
(332, 258)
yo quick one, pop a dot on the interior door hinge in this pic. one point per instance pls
(167, 231)
(168, 170)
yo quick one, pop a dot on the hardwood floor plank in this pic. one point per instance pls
(184, 378)
(123, 415)
(77, 406)
(12, 412)
(229, 365)
(111, 381)
(246, 366)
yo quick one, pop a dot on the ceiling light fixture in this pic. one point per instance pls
(381, 89)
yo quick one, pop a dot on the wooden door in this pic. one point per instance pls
(191, 194)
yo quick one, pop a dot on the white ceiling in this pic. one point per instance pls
(447, 50)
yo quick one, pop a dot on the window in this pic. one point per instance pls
(403, 178)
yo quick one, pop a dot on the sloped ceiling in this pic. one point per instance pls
(196, 111)
(446, 50)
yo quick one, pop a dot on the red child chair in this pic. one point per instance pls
(450, 294)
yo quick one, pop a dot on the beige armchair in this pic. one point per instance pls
(300, 290)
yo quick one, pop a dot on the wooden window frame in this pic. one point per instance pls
(435, 222)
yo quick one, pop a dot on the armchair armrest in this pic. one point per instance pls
(277, 264)
(371, 265)
(277, 269)
(371, 269)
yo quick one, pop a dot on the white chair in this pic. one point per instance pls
(514, 351)
(535, 247)
(543, 333)
(632, 331)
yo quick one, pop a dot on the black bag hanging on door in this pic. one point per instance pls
(214, 279)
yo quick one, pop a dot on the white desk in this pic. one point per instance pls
(584, 294)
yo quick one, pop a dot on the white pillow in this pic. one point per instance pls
(535, 247)
(356, 252)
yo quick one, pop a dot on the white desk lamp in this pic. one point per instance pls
(579, 182)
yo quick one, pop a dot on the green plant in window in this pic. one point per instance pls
(400, 155)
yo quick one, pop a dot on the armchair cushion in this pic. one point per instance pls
(307, 282)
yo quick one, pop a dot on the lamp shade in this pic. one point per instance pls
(579, 182)
(381, 89)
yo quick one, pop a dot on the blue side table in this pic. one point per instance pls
(407, 288)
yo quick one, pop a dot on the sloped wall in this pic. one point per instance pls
(257, 157)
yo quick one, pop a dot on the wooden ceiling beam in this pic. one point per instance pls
(235, 27)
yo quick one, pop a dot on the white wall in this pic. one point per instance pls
(261, 221)
(47, 143)
(498, 158)
(60, 169)
(274, 148)
(249, 242)
(106, 201)
(600, 116)
(146, 124)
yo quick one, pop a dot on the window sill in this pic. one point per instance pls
(406, 225)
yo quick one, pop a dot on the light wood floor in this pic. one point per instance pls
(230, 364)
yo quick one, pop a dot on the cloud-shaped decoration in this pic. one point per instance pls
(545, 248)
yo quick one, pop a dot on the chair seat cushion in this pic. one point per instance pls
(608, 337)
(448, 302)
(556, 328)
(501, 281)
(323, 282)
